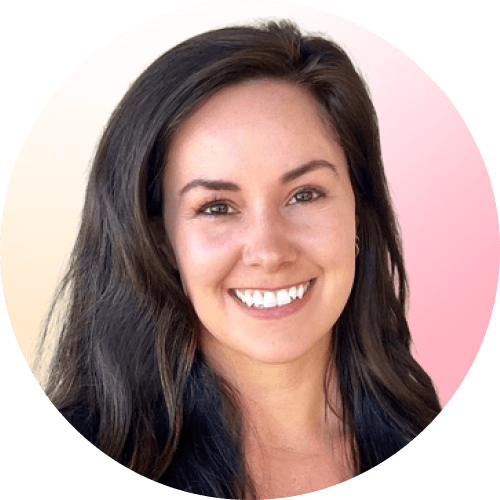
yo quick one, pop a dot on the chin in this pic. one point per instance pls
(275, 348)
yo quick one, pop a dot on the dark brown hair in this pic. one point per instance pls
(127, 371)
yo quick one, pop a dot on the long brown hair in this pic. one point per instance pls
(127, 371)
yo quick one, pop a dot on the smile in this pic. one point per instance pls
(265, 299)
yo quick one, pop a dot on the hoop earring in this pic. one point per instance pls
(356, 245)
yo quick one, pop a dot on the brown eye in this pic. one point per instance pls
(217, 209)
(220, 208)
(305, 196)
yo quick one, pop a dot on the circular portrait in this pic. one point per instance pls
(263, 250)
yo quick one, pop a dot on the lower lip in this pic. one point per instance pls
(277, 312)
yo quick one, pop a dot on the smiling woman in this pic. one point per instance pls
(283, 217)
(236, 318)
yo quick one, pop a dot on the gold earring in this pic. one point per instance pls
(356, 245)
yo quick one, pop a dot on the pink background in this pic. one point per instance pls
(446, 208)
(438, 179)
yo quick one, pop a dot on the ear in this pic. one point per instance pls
(159, 233)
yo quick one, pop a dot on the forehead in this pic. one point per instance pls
(261, 122)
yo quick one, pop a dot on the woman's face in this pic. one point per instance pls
(260, 213)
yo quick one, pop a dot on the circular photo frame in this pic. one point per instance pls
(440, 186)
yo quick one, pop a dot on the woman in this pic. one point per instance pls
(235, 320)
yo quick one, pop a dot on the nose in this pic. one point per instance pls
(268, 243)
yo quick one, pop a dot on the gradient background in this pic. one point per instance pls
(439, 183)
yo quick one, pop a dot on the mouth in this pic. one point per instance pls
(266, 299)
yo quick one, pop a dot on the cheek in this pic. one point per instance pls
(330, 234)
(205, 257)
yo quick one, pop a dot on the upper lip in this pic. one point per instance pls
(274, 289)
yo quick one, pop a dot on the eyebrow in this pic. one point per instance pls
(221, 185)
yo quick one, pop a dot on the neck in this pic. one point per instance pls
(284, 404)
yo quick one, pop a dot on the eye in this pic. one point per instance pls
(306, 195)
(217, 207)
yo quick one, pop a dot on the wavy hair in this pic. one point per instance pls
(127, 372)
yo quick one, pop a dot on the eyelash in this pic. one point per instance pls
(203, 210)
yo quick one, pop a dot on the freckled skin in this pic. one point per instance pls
(252, 134)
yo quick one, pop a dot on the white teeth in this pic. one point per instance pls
(248, 299)
(258, 299)
(269, 299)
(283, 297)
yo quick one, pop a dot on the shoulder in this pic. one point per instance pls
(83, 420)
